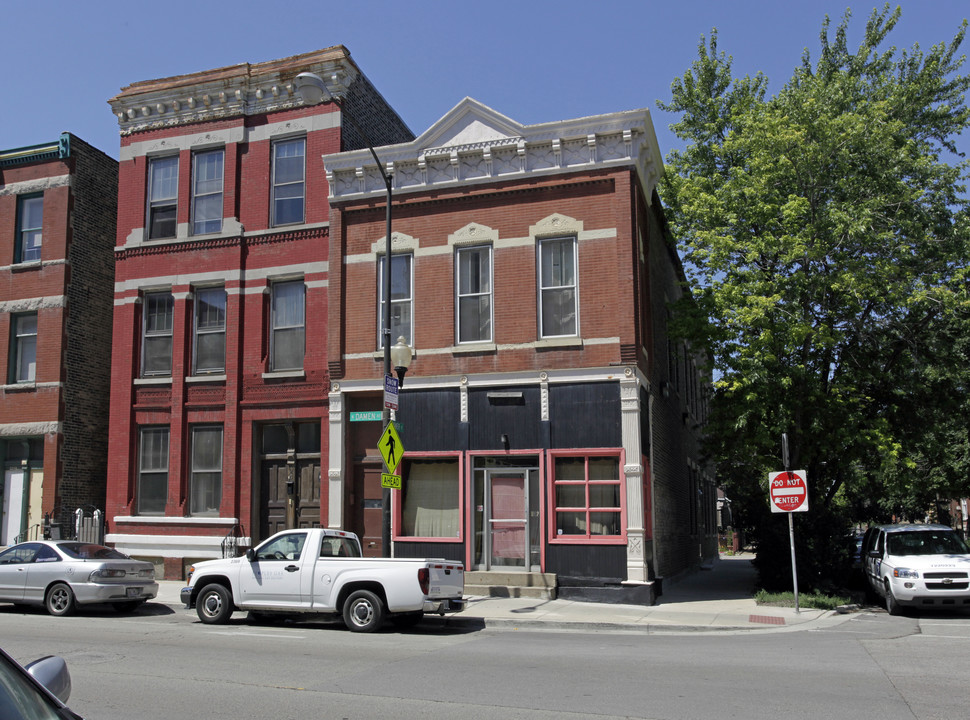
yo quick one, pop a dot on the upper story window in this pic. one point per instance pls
(473, 273)
(288, 326)
(558, 313)
(157, 323)
(210, 331)
(207, 183)
(23, 359)
(289, 172)
(30, 219)
(163, 181)
(401, 299)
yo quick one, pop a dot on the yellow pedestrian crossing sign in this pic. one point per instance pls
(391, 447)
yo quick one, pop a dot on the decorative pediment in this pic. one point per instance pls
(468, 125)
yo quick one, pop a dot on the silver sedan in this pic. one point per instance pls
(62, 574)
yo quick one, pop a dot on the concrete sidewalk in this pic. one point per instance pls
(717, 598)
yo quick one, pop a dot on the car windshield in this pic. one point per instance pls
(89, 551)
(925, 542)
(20, 700)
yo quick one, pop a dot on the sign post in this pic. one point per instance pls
(391, 449)
(788, 493)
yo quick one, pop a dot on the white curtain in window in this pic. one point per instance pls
(431, 500)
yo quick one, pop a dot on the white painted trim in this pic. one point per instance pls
(234, 275)
(26, 187)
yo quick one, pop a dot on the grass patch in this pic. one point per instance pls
(815, 600)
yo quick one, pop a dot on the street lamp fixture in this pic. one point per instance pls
(313, 90)
(401, 358)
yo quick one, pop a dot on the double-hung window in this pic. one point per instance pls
(474, 289)
(587, 493)
(30, 220)
(207, 179)
(289, 188)
(558, 313)
(152, 470)
(288, 325)
(163, 181)
(23, 361)
(157, 323)
(401, 298)
(210, 331)
(205, 484)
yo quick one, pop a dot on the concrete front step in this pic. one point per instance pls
(511, 584)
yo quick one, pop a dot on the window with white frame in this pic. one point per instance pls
(430, 498)
(209, 352)
(558, 296)
(288, 186)
(473, 273)
(30, 221)
(163, 181)
(401, 299)
(23, 361)
(207, 184)
(152, 490)
(288, 325)
(587, 497)
(157, 323)
(205, 483)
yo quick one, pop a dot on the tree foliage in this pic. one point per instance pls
(824, 232)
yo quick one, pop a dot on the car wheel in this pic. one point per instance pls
(363, 611)
(60, 599)
(892, 606)
(214, 604)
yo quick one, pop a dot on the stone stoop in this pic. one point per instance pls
(492, 583)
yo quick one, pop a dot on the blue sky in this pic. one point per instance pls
(532, 60)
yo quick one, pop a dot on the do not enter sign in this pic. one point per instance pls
(788, 491)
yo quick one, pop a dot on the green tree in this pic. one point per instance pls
(825, 237)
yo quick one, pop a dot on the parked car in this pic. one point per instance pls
(917, 565)
(62, 574)
(36, 692)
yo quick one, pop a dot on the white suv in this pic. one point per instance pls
(917, 565)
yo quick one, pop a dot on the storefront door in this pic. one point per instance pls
(508, 519)
(13, 506)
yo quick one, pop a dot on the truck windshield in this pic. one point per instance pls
(925, 542)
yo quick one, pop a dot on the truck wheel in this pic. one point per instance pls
(363, 611)
(59, 600)
(214, 604)
(892, 607)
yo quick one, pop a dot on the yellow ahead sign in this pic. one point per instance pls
(391, 447)
(390, 481)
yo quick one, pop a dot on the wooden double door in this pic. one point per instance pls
(289, 476)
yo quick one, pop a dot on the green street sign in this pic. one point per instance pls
(366, 416)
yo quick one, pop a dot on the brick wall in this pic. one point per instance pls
(87, 328)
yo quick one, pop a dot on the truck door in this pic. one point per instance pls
(273, 578)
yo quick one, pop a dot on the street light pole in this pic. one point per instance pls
(313, 90)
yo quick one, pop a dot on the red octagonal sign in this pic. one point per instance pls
(788, 491)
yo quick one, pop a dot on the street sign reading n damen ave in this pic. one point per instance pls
(366, 416)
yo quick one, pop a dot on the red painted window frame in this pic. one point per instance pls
(550, 477)
(397, 501)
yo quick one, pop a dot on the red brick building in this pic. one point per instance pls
(57, 217)
(219, 388)
(551, 427)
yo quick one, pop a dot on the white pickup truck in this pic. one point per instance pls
(319, 571)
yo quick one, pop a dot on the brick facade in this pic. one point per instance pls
(614, 387)
(271, 420)
(54, 425)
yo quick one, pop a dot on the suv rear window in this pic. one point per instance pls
(925, 542)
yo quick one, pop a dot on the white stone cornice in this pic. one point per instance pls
(474, 144)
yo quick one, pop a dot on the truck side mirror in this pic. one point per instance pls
(875, 554)
(250, 554)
